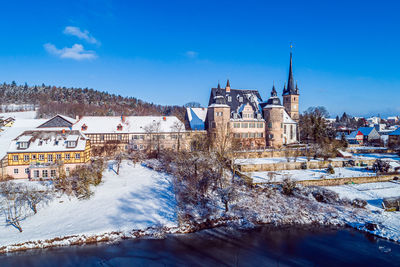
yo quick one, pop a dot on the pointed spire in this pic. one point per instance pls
(219, 86)
(273, 92)
(290, 88)
(228, 84)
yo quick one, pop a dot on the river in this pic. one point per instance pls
(263, 246)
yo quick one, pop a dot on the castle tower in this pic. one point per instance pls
(273, 115)
(218, 113)
(291, 95)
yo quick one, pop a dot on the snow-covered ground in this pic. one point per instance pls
(388, 222)
(23, 121)
(136, 199)
(310, 174)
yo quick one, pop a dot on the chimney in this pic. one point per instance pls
(228, 86)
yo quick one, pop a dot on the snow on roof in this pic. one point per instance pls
(48, 141)
(128, 124)
(201, 113)
(71, 120)
(25, 138)
(218, 106)
(287, 118)
(72, 137)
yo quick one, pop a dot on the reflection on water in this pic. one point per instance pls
(264, 246)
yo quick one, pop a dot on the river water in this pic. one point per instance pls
(263, 246)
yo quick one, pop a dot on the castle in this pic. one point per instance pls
(243, 115)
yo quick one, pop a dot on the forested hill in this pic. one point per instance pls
(52, 100)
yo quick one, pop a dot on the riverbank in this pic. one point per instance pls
(226, 246)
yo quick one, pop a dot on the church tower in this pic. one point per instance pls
(291, 95)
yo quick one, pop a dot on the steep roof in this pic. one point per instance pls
(58, 121)
(238, 97)
(366, 130)
(291, 89)
(395, 132)
(196, 118)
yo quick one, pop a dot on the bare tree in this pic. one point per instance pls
(153, 132)
(13, 204)
(178, 128)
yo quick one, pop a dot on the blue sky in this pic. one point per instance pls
(172, 52)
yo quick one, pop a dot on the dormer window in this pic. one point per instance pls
(240, 99)
(235, 115)
(229, 98)
(40, 143)
(23, 145)
(259, 116)
(71, 144)
(119, 127)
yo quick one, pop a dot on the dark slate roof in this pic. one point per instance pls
(247, 95)
(291, 89)
(56, 121)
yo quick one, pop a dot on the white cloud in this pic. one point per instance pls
(85, 35)
(191, 54)
(77, 52)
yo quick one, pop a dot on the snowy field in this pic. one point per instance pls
(310, 174)
(136, 199)
(373, 193)
(23, 121)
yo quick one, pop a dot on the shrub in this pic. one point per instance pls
(288, 185)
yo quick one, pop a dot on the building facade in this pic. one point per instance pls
(43, 154)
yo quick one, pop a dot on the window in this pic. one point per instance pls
(269, 125)
(33, 156)
(236, 125)
(240, 99)
(174, 136)
(284, 129)
(135, 137)
(15, 158)
(102, 137)
(41, 157)
(119, 137)
(67, 156)
(271, 136)
(260, 125)
(219, 114)
(45, 174)
(135, 147)
(53, 173)
(23, 145)
(142, 137)
(26, 157)
(15, 171)
(291, 131)
(27, 170)
(252, 125)
(281, 125)
(229, 98)
(77, 155)
(245, 125)
(36, 173)
(58, 157)
(251, 135)
(141, 147)
(236, 135)
(245, 135)
(71, 144)
(50, 158)
(67, 170)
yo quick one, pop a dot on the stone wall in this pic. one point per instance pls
(297, 165)
(349, 180)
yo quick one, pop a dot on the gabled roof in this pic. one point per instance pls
(130, 124)
(58, 121)
(366, 130)
(353, 134)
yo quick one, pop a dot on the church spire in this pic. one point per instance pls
(273, 92)
(290, 88)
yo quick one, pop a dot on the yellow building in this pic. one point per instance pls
(42, 153)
